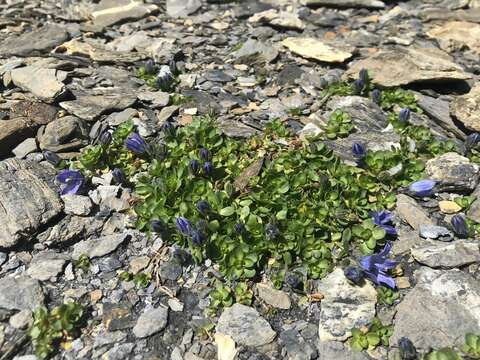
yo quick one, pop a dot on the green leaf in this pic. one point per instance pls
(227, 211)
(281, 215)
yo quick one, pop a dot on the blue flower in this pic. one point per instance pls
(404, 115)
(168, 128)
(382, 219)
(358, 86)
(157, 226)
(183, 225)
(376, 267)
(422, 188)
(359, 151)
(407, 349)
(459, 225)
(472, 140)
(198, 237)
(271, 231)
(136, 143)
(204, 154)
(208, 168)
(194, 166)
(354, 274)
(106, 138)
(72, 181)
(376, 96)
(363, 75)
(52, 158)
(203, 207)
(150, 67)
(119, 176)
(239, 228)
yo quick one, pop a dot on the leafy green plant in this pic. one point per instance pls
(222, 296)
(465, 201)
(339, 125)
(141, 279)
(443, 354)
(51, 328)
(386, 295)
(295, 111)
(376, 334)
(179, 99)
(243, 294)
(340, 89)
(83, 263)
(472, 346)
(368, 235)
(400, 98)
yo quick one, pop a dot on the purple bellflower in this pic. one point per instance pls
(376, 96)
(382, 219)
(119, 176)
(136, 143)
(204, 154)
(404, 115)
(203, 207)
(376, 266)
(208, 168)
(52, 158)
(106, 138)
(183, 225)
(472, 140)
(359, 151)
(354, 274)
(422, 188)
(150, 67)
(459, 225)
(71, 180)
(194, 167)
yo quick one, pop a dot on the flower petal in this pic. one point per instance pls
(386, 280)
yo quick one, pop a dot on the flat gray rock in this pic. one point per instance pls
(344, 306)
(151, 322)
(47, 265)
(25, 147)
(402, 66)
(77, 204)
(466, 108)
(98, 247)
(412, 213)
(110, 12)
(36, 42)
(22, 293)
(28, 199)
(245, 325)
(435, 232)
(70, 228)
(90, 107)
(63, 134)
(369, 4)
(447, 255)
(254, 51)
(453, 172)
(273, 297)
(182, 8)
(438, 312)
(45, 84)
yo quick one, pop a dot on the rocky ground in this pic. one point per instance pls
(69, 72)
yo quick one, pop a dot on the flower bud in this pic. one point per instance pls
(354, 274)
(194, 167)
(407, 349)
(52, 158)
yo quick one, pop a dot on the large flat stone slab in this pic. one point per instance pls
(344, 306)
(438, 312)
(28, 200)
(403, 66)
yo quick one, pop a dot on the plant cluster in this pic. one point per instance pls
(142, 279)
(387, 295)
(83, 263)
(369, 338)
(51, 328)
(339, 125)
(224, 295)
